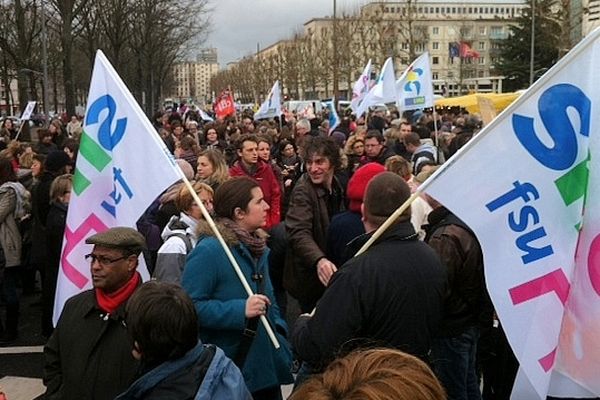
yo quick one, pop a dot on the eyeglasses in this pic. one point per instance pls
(102, 260)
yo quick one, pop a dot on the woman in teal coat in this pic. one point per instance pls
(223, 307)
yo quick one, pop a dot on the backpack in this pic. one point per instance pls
(186, 239)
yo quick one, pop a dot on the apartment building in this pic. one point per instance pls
(192, 78)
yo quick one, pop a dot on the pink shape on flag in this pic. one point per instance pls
(594, 264)
(548, 361)
(555, 281)
(73, 238)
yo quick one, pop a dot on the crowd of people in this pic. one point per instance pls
(293, 201)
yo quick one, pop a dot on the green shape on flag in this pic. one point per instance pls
(92, 152)
(80, 182)
(578, 227)
(573, 185)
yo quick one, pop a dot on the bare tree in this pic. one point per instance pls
(19, 32)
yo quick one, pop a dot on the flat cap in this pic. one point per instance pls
(119, 237)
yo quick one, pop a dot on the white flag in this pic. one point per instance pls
(529, 187)
(361, 87)
(384, 90)
(122, 166)
(205, 116)
(271, 107)
(415, 87)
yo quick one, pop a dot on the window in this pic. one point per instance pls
(435, 45)
(481, 60)
(450, 74)
(435, 30)
(435, 60)
(482, 30)
(481, 46)
(405, 46)
(434, 75)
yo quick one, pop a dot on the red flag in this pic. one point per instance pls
(467, 52)
(224, 106)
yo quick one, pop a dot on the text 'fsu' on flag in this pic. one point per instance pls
(529, 187)
(122, 166)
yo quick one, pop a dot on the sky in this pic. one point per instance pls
(238, 25)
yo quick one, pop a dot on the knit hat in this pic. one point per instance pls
(120, 237)
(358, 184)
(187, 169)
(56, 160)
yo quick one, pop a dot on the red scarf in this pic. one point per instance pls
(110, 302)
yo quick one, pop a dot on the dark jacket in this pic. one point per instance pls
(390, 296)
(55, 230)
(344, 228)
(306, 222)
(89, 354)
(203, 371)
(383, 155)
(467, 302)
(40, 206)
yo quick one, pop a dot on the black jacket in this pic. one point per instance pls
(467, 302)
(390, 296)
(89, 354)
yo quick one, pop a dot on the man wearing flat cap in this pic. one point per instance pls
(89, 354)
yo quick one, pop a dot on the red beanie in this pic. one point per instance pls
(358, 184)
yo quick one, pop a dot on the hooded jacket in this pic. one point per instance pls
(172, 254)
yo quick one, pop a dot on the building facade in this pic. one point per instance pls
(403, 30)
(192, 78)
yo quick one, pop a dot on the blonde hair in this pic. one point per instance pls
(399, 166)
(375, 374)
(217, 160)
(60, 186)
(349, 146)
(184, 199)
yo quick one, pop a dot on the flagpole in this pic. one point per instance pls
(232, 260)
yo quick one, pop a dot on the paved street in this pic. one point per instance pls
(21, 363)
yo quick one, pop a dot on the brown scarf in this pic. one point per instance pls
(255, 244)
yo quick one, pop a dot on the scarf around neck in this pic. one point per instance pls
(255, 244)
(110, 302)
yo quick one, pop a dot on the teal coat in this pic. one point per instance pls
(220, 302)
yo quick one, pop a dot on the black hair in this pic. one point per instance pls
(326, 147)
(162, 319)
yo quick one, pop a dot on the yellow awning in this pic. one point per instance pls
(471, 104)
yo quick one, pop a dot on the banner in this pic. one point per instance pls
(224, 105)
(384, 90)
(122, 167)
(529, 187)
(361, 87)
(334, 118)
(415, 87)
(271, 107)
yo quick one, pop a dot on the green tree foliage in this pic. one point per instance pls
(514, 55)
